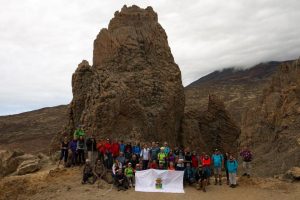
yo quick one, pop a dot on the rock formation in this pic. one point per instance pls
(133, 90)
(271, 127)
(212, 128)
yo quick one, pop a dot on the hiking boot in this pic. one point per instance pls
(231, 185)
(220, 182)
(216, 182)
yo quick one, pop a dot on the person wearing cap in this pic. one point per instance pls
(87, 171)
(129, 173)
(201, 177)
(218, 163)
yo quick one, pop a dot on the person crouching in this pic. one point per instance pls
(87, 172)
(121, 180)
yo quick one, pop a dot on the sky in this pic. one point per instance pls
(42, 42)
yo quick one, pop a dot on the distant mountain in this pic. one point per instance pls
(32, 131)
(238, 88)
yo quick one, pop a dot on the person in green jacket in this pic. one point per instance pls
(129, 173)
(79, 132)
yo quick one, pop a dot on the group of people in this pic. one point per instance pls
(123, 160)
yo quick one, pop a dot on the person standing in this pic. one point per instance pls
(145, 156)
(226, 157)
(91, 147)
(218, 163)
(80, 150)
(232, 166)
(206, 162)
(73, 148)
(247, 158)
(64, 151)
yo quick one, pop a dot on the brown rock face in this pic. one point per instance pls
(272, 126)
(212, 128)
(133, 90)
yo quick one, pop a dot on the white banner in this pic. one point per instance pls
(152, 180)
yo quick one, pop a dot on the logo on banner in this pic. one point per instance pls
(158, 184)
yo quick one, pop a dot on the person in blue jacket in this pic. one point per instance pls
(218, 164)
(232, 166)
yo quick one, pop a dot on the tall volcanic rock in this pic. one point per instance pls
(133, 90)
(211, 128)
(271, 127)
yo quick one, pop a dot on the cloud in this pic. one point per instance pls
(43, 41)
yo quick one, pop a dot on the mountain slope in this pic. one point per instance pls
(32, 131)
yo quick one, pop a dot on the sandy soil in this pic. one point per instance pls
(66, 185)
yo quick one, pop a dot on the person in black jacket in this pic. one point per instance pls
(91, 146)
(121, 180)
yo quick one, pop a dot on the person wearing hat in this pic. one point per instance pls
(218, 163)
(87, 171)
(129, 173)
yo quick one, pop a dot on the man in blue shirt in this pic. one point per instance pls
(218, 163)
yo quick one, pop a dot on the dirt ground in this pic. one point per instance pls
(66, 184)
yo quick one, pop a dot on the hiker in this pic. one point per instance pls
(201, 177)
(129, 173)
(161, 156)
(64, 151)
(121, 158)
(99, 171)
(187, 156)
(108, 159)
(128, 151)
(79, 132)
(145, 156)
(195, 161)
(180, 161)
(153, 164)
(138, 167)
(121, 180)
(136, 149)
(116, 166)
(122, 146)
(73, 148)
(232, 166)
(161, 166)
(206, 162)
(87, 172)
(115, 148)
(218, 163)
(154, 150)
(189, 174)
(226, 157)
(80, 150)
(101, 150)
(171, 158)
(166, 148)
(171, 166)
(91, 147)
(247, 158)
(134, 160)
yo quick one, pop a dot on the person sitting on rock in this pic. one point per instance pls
(129, 173)
(116, 166)
(87, 172)
(64, 151)
(99, 171)
(201, 177)
(121, 180)
(232, 166)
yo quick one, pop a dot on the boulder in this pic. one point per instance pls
(293, 174)
(28, 166)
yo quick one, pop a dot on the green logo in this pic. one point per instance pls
(158, 184)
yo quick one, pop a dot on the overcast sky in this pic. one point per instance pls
(42, 42)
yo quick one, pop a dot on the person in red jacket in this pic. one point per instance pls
(115, 149)
(195, 160)
(206, 162)
(108, 159)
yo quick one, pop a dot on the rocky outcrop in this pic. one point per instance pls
(271, 127)
(133, 90)
(17, 162)
(211, 128)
